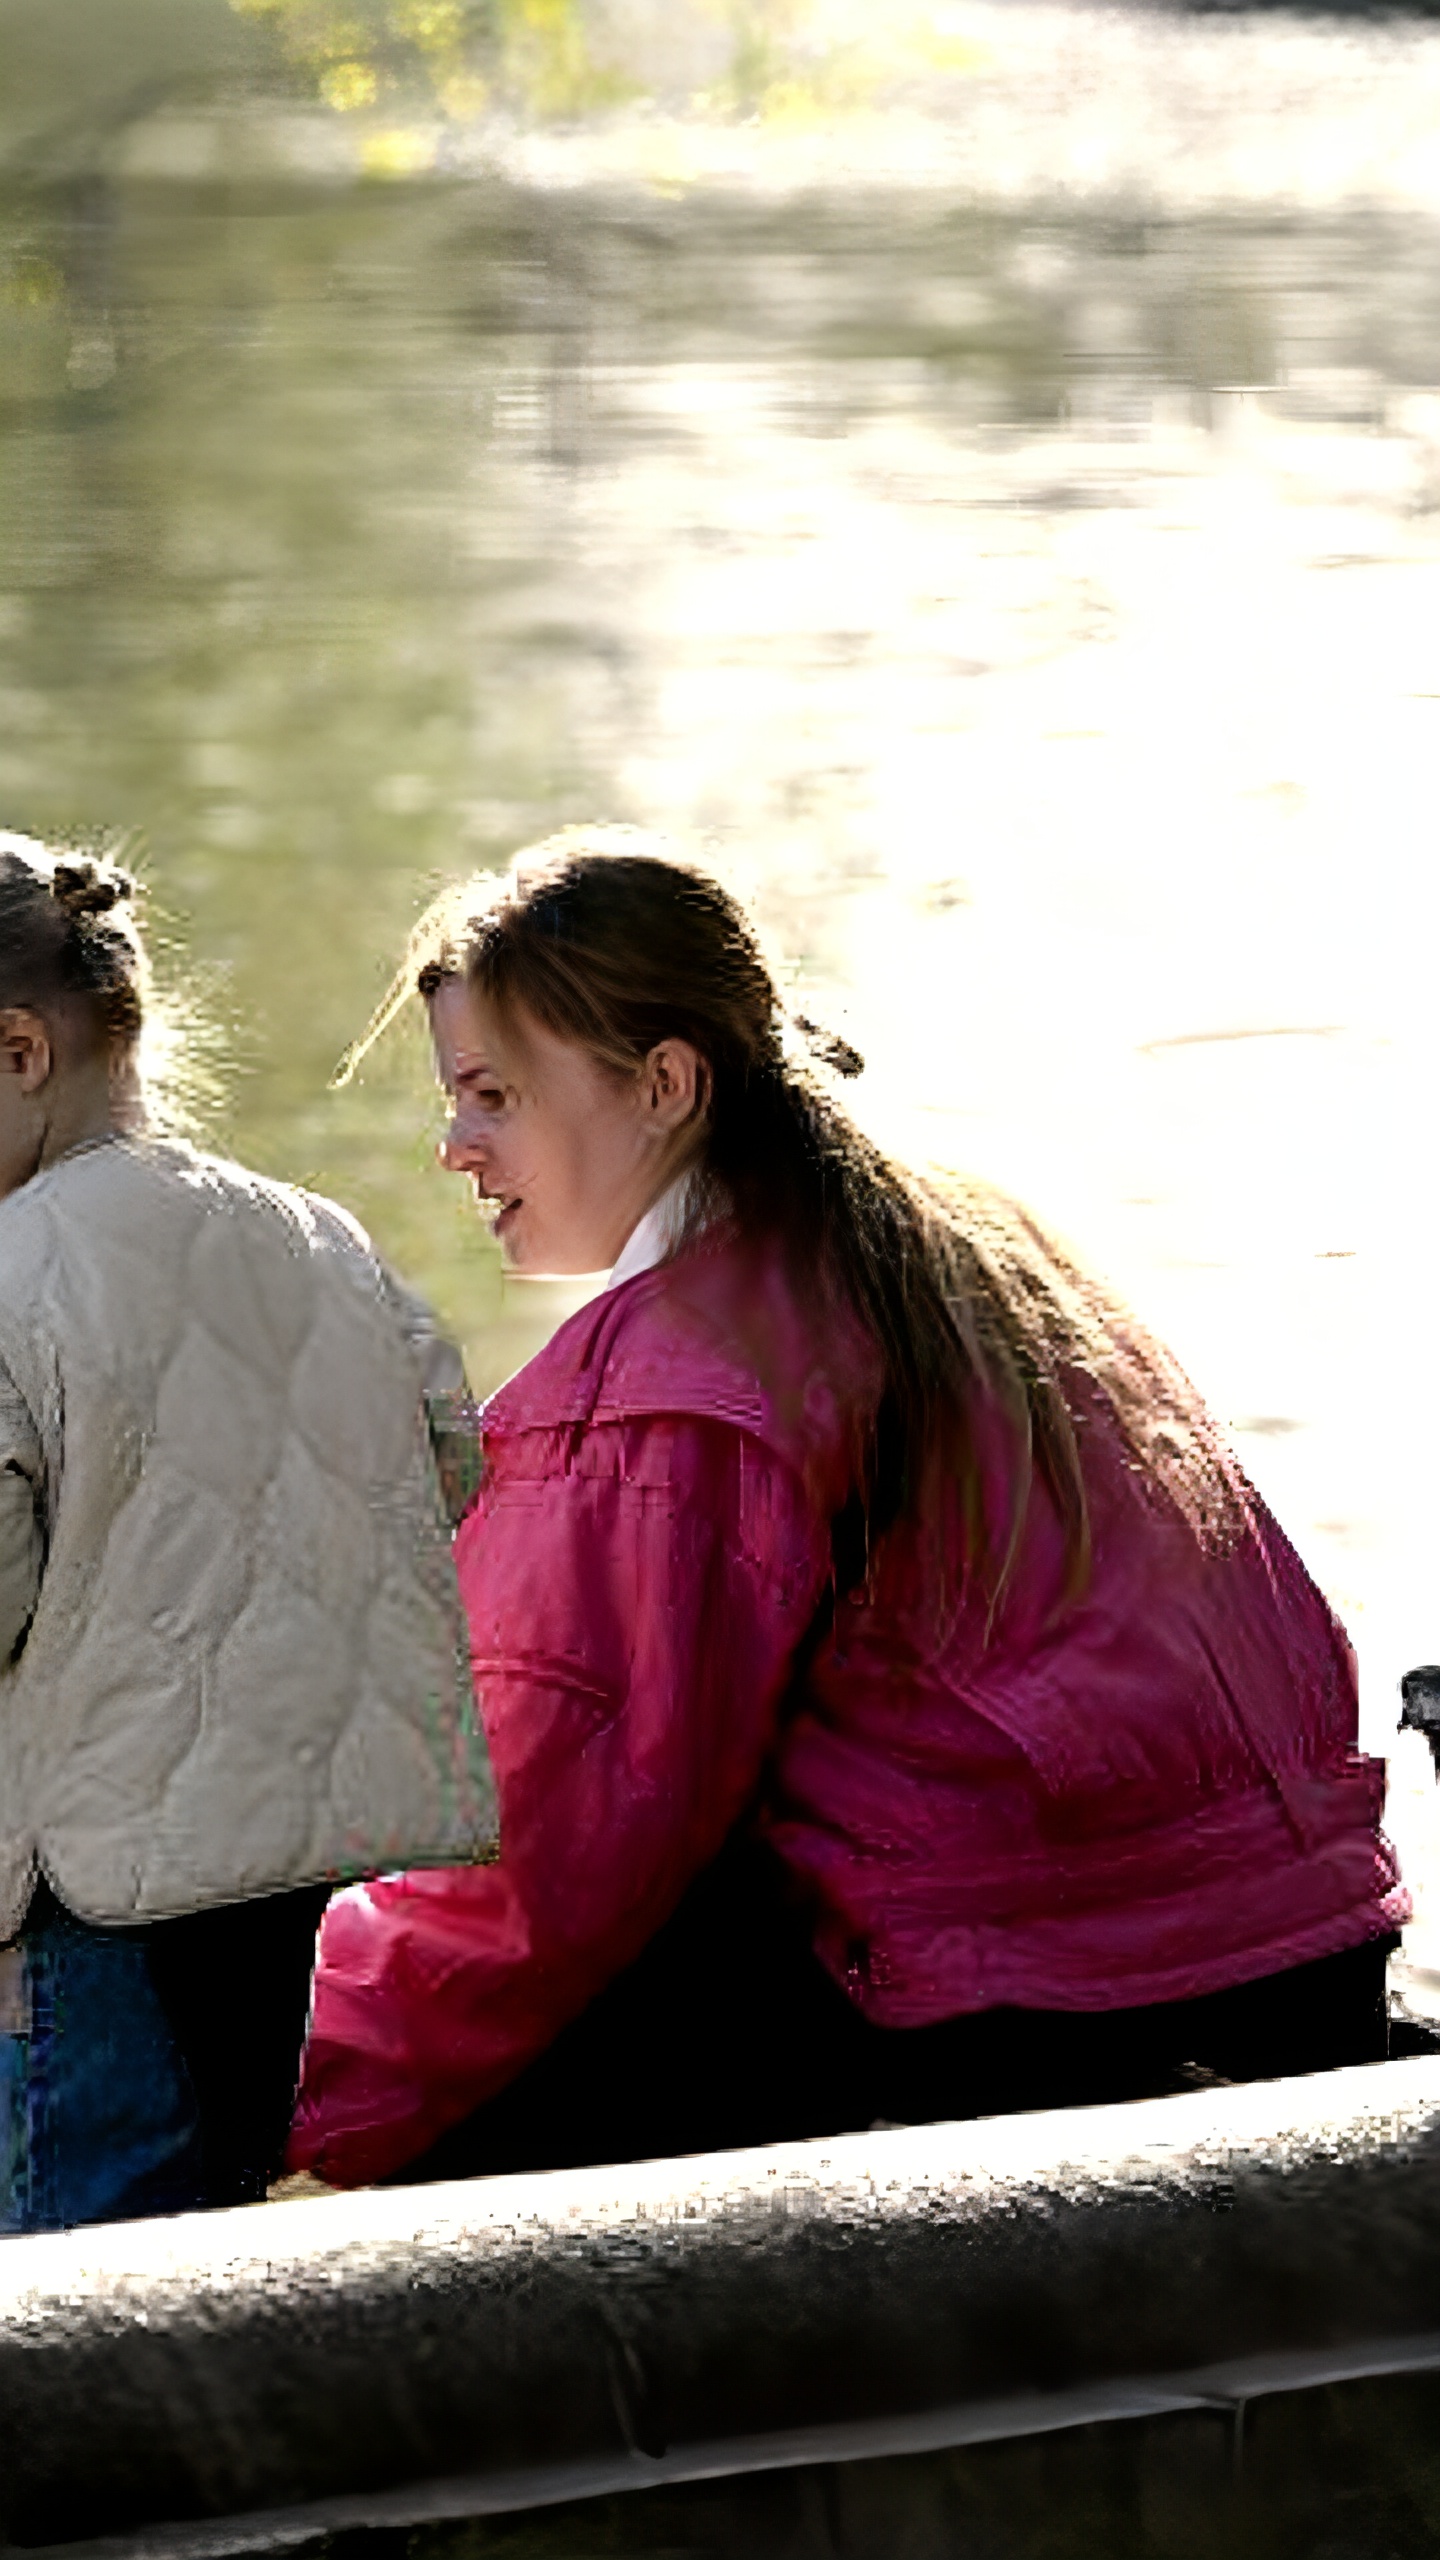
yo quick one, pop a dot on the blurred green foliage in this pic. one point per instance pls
(359, 54)
(79, 72)
(563, 58)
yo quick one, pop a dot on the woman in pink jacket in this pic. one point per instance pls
(901, 1706)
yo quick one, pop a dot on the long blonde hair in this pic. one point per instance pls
(962, 1292)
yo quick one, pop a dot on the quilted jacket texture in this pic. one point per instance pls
(246, 1669)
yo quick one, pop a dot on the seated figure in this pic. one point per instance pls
(231, 1667)
(902, 1707)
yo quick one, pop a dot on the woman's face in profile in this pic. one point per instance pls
(565, 1154)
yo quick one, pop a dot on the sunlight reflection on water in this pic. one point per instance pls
(1004, 537)
(1134, 908)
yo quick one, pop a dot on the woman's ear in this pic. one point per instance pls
(675, 1086)
(25, 1050)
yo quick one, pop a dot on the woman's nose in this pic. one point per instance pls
(456, 1152)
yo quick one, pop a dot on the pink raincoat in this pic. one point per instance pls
(1147, 1794)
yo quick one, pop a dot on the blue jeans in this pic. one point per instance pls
(98, 2119)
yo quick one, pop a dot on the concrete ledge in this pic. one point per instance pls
(245, 2381)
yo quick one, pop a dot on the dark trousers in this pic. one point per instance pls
(727, 2032)
(156, 2069)
(235, 1987)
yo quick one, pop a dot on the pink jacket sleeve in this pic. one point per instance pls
(635, 1594)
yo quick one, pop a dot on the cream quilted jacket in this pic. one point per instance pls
(246, 1664)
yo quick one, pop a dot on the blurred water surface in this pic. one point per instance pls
(998, 525)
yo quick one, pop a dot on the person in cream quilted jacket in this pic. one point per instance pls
(232, 1666)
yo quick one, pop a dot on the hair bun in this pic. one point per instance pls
(83, 888)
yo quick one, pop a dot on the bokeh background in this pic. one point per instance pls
(970, 470)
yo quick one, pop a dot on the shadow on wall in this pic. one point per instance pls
(1351, 2473)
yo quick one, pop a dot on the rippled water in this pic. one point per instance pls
(1001, 528)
